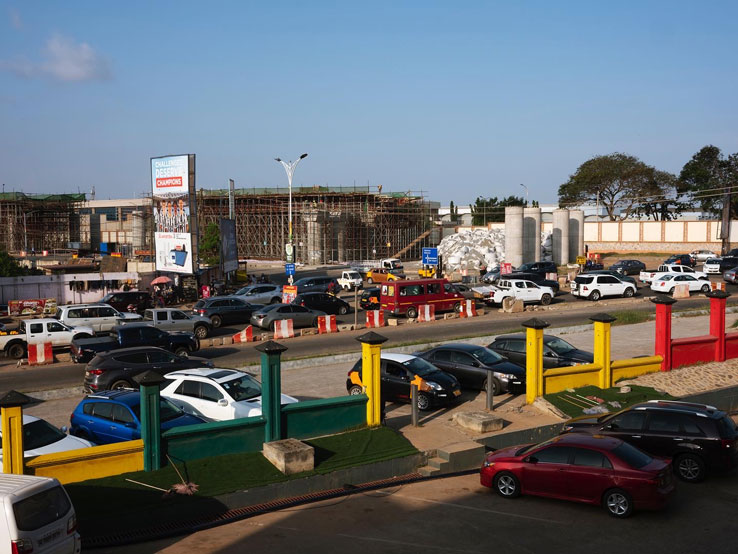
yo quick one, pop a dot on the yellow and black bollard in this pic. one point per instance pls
(371, 352)
(11, 406)
(534, 358)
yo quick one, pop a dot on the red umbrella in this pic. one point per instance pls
(161, 280)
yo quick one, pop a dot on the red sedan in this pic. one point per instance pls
(584, 468)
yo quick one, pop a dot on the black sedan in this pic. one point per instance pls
(556, 352)
(225, 309)
(324, 302)
(472, 366)
(116, 369)
(628, 267)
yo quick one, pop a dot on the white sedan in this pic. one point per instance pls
(711, 266)
(668, 283)
(216, 394)
(41, 437)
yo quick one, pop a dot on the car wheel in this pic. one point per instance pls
(690, 468)
(201, 332)
(629, 293)
(424, 402)
(315, 322)
(545, 299)
(705, 288)
(121, 384)
(457, 307)
(671, 291)
(343, 310)
(276, 300)
(182, 352)
(496, 386)
(507, 485)
(356, 390)
(370, 280)
(617, 503)
(216, 320)
(16, 351)
(412, 312)
(595, 295)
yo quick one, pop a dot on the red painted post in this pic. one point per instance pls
(662, 346)
(717, 321)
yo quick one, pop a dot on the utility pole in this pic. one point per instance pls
(725, 223)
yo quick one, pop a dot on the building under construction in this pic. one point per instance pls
(330, 224)
(37, 221)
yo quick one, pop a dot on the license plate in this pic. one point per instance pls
(50, 537)
(457, 393)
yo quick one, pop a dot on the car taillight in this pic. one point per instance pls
(72, 524)
(21, 546)
(727, 443)
(584, 288)
(95, 371)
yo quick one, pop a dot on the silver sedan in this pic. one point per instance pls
(300, 316)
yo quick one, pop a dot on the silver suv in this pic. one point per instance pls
(100, 317)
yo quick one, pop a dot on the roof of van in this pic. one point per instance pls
(13, 484)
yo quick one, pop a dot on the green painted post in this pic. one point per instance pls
(150, 419)
(271, 388)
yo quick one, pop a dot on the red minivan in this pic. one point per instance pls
(404, 297)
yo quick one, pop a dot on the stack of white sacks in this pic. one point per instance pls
(468, 249)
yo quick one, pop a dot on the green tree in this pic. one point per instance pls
(707, 176)
(210, 245)
(615, 181)
(486, 210)
(669, 202)
(453, 212)
(9, 266)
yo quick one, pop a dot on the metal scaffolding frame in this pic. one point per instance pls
(38, 221)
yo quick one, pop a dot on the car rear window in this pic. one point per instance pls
(584, 280)
(632, 456)
(41, 509)
(40, 433)
(727, 428)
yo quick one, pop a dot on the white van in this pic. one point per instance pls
(39, 517)
(100, 317)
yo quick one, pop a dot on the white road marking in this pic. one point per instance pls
(413, 545)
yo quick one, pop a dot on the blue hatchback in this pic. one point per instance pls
(114, 416)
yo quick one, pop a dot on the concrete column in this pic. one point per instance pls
(340, 226)
(371, 351)
(576, 234)
(561, 236)
(602, 350)
(718, 300)
(271, 388)
(11, 406)
(534, 358)
(150, 418)
(315, 231)
(662, 345)
(531, 235)
(514, 235)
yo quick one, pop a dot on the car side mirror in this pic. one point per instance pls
(65, 430)
(223, 402)
(130, 424)
(530, 460)
(611, 426)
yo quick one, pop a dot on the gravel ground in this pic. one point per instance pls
(691, 379)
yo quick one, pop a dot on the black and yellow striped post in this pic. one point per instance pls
(371, 352)
(11, 406)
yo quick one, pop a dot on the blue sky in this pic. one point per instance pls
(457, 99)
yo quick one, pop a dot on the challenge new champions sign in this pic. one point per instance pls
(173, 196)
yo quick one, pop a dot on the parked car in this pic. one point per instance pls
(732, 253)
(683, 259)
(556, 351)
(114, 416)
(699, 438)
(301, 316)
(520, 289)
(628, 267)
(121, 301)
(100, 317)
(261, 293)
(4, 310)
(15, 343)
(597, 470)
(350, 280)
(116, 369)
(381, 275)
(472, 365)
(727, 263)
(711, 266)
(436, 387)
(405, 297)
(650, 276)
(36, 515)
(464, 290)
(595, 286)
(316, 284)
(370, 299)
(624, 278)
(667, 283)
(216, 394)
(225, 309)
(41, 437)
(324, 302)
(702, 255)
(493, 273)
(537, 278)
(134, 334)
(731, 275)
(542, 268)
(172, 319)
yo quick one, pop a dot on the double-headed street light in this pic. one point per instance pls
(289, 167)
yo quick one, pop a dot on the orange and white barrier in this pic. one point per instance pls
(374, 318)
(283, 329)
(426, 312)
(468, 308)
(40, 353)
(327, 324)
(247, 335)
(718, 286)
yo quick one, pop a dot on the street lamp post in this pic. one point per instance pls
(526, 194)
(289, 167)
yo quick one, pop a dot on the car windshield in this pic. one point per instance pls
(530, 447)
(560, 346)
(244, 290)
(40, 433)
(106, 297)
(420, 367)
(525, 267)
(486, 356)
(712, 261)
(353, 275)
(632, 456)
(244, 387)
(268, 308)
(167, 410)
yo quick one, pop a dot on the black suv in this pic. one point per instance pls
(225, 309)
(628, 267)
(324, 302)
(698, 437)
(684, 259)
(728, 262)
(539, 267)
(140, 301)
(537, 278)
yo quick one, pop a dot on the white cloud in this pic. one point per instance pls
(15, 19)
(63, 60)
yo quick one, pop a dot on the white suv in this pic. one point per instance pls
(216, 394)
(520, 289)
(100, 317)
(594, 287)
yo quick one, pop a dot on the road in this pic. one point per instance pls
(457, 515)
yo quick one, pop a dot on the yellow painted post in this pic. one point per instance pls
(534, 358)
(371, 352)
(11, 408)
(602, 344)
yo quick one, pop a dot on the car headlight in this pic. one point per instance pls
(567, 428)
(433, 385)
(510, 376)
(487, 463)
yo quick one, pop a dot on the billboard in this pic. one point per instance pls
(228, 245)
(171, 187)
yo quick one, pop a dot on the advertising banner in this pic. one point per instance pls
(289, 293)
(35, 306)
(228, 246)
(170, 187)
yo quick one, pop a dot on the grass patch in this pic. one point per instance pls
(631, 317)
(734, 324)
(637, 394)
(112, 504)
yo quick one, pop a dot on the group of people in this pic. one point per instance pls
(171, 216)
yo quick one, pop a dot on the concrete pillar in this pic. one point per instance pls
(271, 388)
(11, 406)
(718, 300)
(534, 358)
(150, 418)
(315, 231)
(602, 350)
(662, 344)
(531, 235)
(371, 352)
(514, 235)
(576, 234)
(561, 236)
(340, 226)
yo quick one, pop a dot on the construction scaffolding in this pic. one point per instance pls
(37, 221)
(330, 224)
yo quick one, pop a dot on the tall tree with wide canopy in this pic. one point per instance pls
(706, 178)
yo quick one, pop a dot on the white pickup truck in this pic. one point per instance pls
(527, 291)
(365, 266)
(33, 331)
(350, 280)
(649, 276)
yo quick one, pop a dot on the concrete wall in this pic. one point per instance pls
(313, 418)
(58, 287)
(655, 236)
